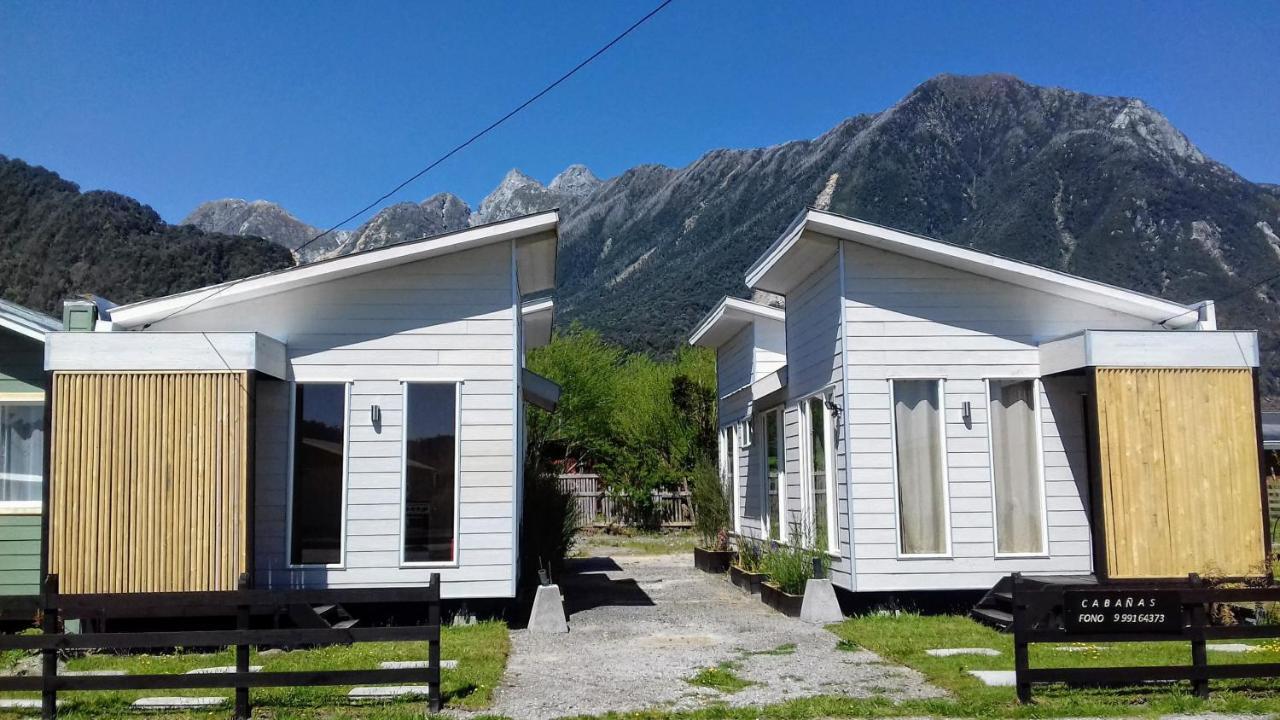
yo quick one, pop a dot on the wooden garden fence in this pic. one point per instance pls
(598, 508)
(240, 604)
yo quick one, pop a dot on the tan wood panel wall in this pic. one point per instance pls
(1181, 491)
(149, 481)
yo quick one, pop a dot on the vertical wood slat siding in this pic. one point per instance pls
(1178, 451)
(149, 478)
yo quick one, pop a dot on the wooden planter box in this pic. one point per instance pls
(785, 603)
(748, 581)
(713, 561)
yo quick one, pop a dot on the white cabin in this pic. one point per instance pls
(946, 417)
(372, 415)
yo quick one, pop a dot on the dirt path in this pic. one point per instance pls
(641, 626)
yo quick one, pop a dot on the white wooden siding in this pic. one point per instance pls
(905, 318)
(813, 344)
(450, 318)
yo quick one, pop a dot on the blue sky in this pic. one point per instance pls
(323, 106)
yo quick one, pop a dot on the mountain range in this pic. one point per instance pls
(1103, 187)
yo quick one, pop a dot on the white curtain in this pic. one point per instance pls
(21, 451)
(1019, 510)
(921, 495)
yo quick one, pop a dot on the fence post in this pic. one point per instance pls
(433, 647)
(243, 710)
(1020, 660)
(1199, 658)
(49, 655)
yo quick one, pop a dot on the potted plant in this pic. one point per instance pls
(789, 568)
(710, 520)
(746, 571)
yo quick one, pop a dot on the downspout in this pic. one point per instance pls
(844, 417)
(517, 477)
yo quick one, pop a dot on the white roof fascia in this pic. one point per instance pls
(1034, 277)
(27, 322)
(732, 314)
(21, 328)
(140, 313)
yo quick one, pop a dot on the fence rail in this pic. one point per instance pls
(1039, 612)
(240, 604)
(597, 507)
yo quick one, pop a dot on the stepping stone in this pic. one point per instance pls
(996, 678)
(415, 664)
(948, 652)
(1229, 647)
(388, 692)
(178, 703)
(92, 673)
(22, 704)
(221, 669)
(1078, 648)
(270, 652)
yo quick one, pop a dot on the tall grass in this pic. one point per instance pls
(790, 566)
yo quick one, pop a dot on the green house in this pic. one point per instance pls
(22, 432)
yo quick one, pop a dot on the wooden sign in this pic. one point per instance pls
(1108, 611)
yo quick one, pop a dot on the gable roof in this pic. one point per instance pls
(730, 316)
(28, 322)
(536, 234)
(809, 242)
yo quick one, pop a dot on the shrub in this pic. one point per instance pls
(710, 507)
(549, 522)
(750, 555)
(790, 566)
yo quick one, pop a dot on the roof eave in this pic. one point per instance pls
(149, 311)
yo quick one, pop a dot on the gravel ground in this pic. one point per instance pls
(641, 626)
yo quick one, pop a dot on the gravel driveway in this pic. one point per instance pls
(641, 626)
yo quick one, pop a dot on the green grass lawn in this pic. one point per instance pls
(904, 639)
(481, 651)
(628, 542)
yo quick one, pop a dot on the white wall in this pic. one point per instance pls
(446, 318)
(813, 365)
(907, 318)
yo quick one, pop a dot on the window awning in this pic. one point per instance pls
(539, 391)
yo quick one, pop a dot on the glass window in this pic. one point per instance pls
(818, 439)
(1015, 451)
(922, 502)
(319, 446)
(773, 470)
(430, 489)
(21, 451)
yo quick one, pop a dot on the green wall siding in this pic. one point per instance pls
(21, 363)
(19, 554)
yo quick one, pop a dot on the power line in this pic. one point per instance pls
(456, 149)
(1229, 296)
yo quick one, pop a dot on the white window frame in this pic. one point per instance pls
(1038, 392)
(744, 434)
(346, 467)
(806, 457)
(26, 507)
(782, 473)
(457, 471)
(946, 479)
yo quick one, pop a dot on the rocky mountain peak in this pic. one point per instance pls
(575, 181)
(517, 194)
(1155, 129)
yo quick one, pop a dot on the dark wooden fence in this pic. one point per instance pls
(1039, 613)
(599, 508)
(241, 604)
